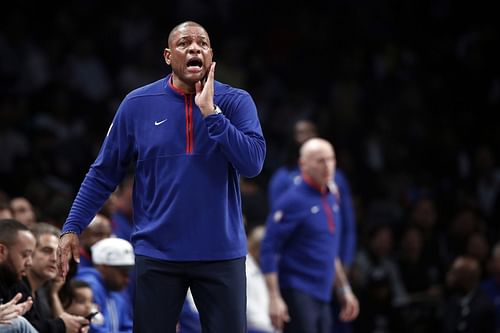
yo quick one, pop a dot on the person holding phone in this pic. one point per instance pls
(189, 140)
(108, 278)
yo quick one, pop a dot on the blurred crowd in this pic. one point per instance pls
(405, 90)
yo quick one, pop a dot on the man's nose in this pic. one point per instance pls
(194, 48)
(29, 262)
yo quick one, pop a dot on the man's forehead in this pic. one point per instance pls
(47, 240)
(319, 152)
(190, 31)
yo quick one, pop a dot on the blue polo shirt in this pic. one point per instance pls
(301, 241)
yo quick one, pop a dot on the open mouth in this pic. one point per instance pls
(194, 63)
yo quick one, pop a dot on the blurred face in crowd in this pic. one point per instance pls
(478, 247)
(317, 161)
(190, 55)
(44, 266)
(5, 213)
(303, 131)
(23, 211)
(16, 259)
(424, 214)
(99, 228)
(411, 244)
(463, 275)
(381, 242)
(116, 278)
(81, 305)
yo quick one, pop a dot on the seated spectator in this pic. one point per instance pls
(109, 277)
(99, 228)
(38, 282)
(79, 302)
(23, 211)
(467, 309)
(420, 276)
(16, 246)
(378, 256)
(378, 313)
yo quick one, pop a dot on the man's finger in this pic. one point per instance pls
(62, 262)
(14, 299)
(76, 253)
(211, 73)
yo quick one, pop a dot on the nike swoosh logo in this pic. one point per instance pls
(160, 122)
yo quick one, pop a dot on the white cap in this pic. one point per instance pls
(113, 252)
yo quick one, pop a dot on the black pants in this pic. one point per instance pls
(307, 314)
(218, 288)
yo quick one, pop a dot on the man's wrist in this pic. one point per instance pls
(344, 290)
(216, 110)
(68, 232)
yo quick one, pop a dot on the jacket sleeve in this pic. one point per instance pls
(239, 134)
(281, 223)
(105, 173)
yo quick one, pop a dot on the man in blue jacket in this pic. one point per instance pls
(289, 174)
(299, 253)
(190, 138)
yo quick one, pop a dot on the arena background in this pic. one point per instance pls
(408, 92)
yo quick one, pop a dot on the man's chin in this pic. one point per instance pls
(194, 77)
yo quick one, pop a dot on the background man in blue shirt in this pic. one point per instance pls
(299, 254)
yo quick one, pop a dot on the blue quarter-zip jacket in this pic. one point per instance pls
(187, 203)
(301, 240)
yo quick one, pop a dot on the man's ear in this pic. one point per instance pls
(4, 251)
(166, 55)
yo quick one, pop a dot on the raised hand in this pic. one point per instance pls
(205, 93)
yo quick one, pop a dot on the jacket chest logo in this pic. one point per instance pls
(157, 123)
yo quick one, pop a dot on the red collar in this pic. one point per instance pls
(309, 181)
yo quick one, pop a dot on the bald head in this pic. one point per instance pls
(182, 26)
(314, 145)
(99, 228)
(317, 161)
(464, 274)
